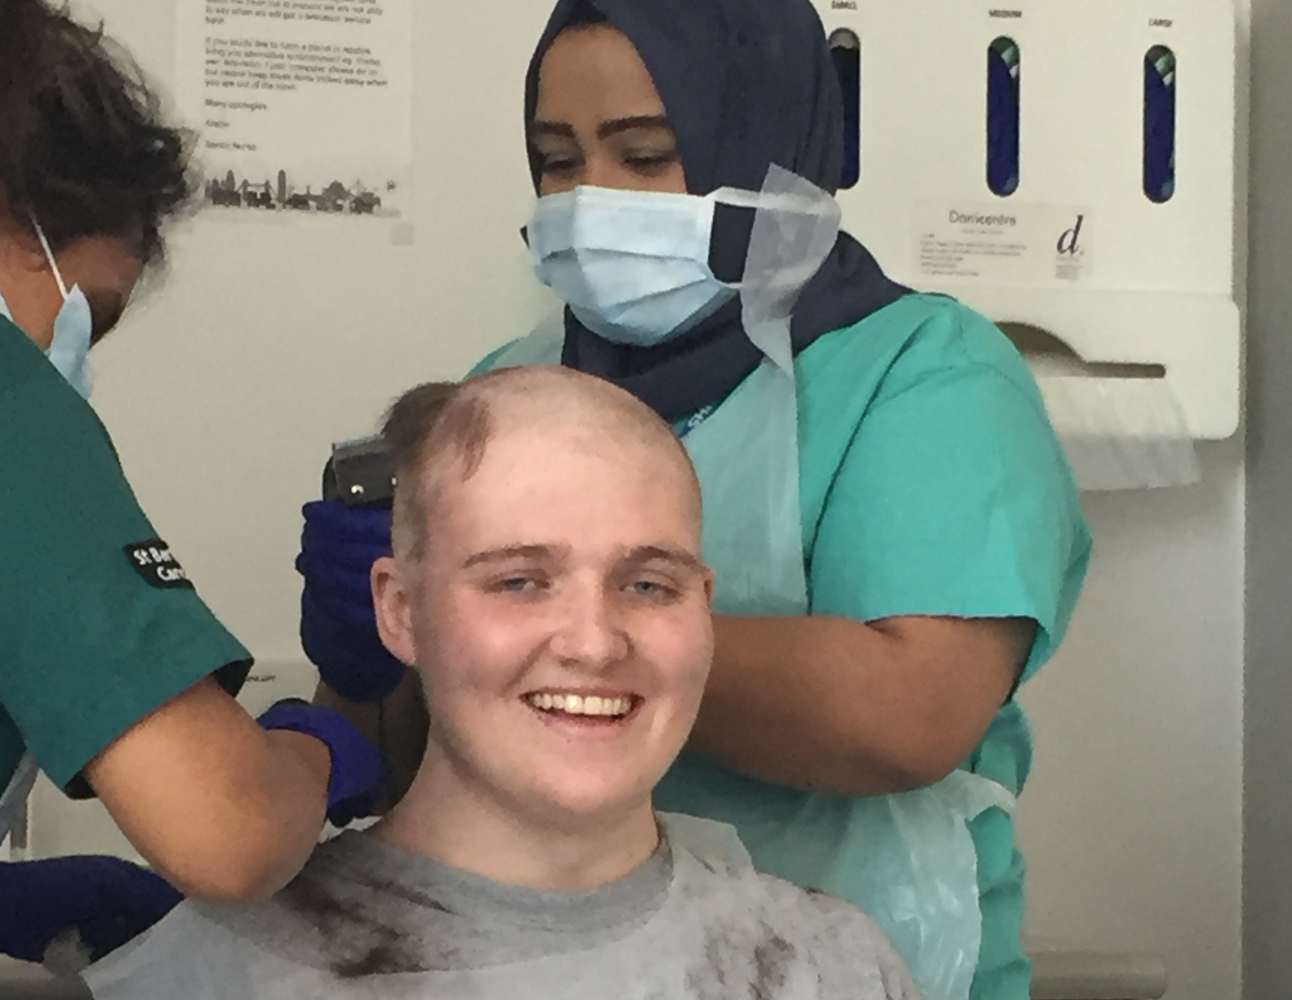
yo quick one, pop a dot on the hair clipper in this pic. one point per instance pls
(360, 474)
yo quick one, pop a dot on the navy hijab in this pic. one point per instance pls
(745, 83)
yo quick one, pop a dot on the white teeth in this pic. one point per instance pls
(574, 704)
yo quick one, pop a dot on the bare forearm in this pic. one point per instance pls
(287, 811)
(804, 702)
(221, 808)
(835, 705)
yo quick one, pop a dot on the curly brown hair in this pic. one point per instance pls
(83, 146)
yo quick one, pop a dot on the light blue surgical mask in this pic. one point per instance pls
(633, 266)
(73, 327)
(69, 350)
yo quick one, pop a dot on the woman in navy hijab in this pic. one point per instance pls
(903, 459)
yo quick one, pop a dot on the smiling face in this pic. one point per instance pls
(599, 119)
(560, 615)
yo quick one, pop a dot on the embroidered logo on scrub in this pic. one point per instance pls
(153, 561)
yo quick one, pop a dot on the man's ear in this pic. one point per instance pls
(394, 612)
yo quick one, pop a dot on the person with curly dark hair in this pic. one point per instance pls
(115, 679)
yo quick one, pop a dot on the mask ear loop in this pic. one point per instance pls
(49, 254)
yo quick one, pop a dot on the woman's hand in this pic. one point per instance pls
(90, 905)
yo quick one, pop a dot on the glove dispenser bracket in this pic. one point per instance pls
(1064, 166)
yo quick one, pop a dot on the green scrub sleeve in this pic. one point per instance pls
(954, 499)
(100, 624)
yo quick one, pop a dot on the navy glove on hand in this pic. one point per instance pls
(357, 771)
(98, 903)
(338, 623)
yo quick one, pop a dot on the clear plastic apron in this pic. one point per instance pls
(908, 860)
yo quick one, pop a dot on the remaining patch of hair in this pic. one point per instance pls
(419, 420)
(443, 424)
(431, 415)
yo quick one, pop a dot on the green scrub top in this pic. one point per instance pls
(932, 483)
(98, 624)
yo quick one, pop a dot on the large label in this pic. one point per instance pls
(1027, 245)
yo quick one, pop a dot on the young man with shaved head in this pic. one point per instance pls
(547, 584)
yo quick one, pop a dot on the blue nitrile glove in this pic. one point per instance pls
(357, 771)
(98, 903)
(1002, 125)
(1159, 133)
(338, 623)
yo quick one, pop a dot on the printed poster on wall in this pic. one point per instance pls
(302, 106)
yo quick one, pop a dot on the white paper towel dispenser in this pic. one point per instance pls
(1068, 168)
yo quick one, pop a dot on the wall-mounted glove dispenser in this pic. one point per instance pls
(1065, 168)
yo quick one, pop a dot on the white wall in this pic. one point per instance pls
(1268, 861)
(272, 339)
(1132, 822)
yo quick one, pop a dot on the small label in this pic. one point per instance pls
(843, 4)
(1027, 245)
(1161, 22)
(1010, 15)
(154, 562)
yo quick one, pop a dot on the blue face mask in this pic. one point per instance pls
(633, 266)
(69, 350)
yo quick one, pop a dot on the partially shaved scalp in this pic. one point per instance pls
(439, 433)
